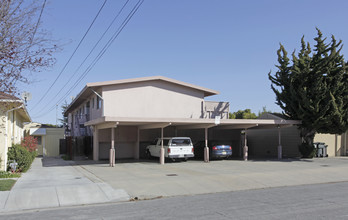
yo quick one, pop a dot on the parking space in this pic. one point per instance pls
(148, 179)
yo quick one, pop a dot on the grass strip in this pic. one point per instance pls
(6, 184)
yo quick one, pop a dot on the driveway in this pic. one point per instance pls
(147, 180)
(53, 182)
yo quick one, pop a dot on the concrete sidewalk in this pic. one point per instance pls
(53, 182)
(147, 180)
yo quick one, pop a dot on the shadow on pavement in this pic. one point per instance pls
(58, 161)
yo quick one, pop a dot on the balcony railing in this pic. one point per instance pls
(212, 109)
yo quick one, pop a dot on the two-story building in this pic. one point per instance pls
(126, 114)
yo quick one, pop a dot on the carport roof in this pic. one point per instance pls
(148, 123)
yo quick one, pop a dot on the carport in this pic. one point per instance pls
(130, 128)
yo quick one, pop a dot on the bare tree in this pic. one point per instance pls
(24, 46)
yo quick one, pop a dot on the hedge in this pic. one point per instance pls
(22, 156)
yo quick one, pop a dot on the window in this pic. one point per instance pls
(39, 139)
(93, 102)
(180, 142)
(87, 108)
(99, 102)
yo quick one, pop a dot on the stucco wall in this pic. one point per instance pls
(14, 131)
(154, 99)
(2, 136)
(52, 141)
(337, 144)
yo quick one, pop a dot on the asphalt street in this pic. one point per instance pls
(317, 201)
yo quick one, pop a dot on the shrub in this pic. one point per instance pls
(5, 174)
(21, 155)
(29, 143)
(33, 155)
(306, 150)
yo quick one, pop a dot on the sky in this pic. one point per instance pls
(225, 45)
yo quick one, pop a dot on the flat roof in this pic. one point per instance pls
(149, 123)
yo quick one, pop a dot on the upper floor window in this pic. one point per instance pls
(99, 102)
(93, 102)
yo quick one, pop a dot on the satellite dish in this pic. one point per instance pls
(26, 96)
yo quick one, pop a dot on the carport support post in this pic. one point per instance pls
(280, 148)
(206, 149)
(245, 148)
(162, 149)
(112, 150)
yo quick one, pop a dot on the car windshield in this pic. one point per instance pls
(180, 142)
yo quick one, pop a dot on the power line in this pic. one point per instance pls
(95, 45)
(66, 64)
(99, 56)
(37, 24)
(101, 53)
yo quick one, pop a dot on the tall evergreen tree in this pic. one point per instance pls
(314, 87)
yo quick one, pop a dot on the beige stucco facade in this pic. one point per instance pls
(148, 97)
(157, 99)
(13, 115)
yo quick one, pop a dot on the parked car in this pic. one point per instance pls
(174, 148)
(217, 149)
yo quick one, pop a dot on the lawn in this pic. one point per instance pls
(6, 184)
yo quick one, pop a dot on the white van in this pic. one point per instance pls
(174, 148)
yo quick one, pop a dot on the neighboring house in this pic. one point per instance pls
(48, 138)
(262, 142)
(337, 143)
(128, 114)
(13, 114)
